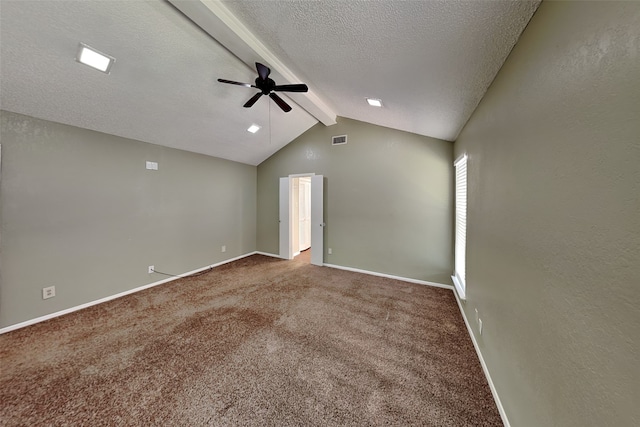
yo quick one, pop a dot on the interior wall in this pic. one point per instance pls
(553, 249)
(388, 202)
(80, 212)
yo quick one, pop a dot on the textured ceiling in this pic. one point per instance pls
(162, 88)
(429, 61)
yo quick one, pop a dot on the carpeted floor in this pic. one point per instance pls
(257, 342)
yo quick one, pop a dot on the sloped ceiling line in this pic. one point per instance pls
(216, 20)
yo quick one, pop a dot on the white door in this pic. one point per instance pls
(284, 219)
(304, 214)
(317, 220)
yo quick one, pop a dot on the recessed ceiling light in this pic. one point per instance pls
(254, 128)
(374, 102)
(91, 57)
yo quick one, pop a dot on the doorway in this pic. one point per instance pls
(301, 217)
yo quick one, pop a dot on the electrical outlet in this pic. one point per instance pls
(151, 269)
(329, 251)
(480, 326)
(224, 248)
(49, 292)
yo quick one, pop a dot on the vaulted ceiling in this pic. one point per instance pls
(429, 61)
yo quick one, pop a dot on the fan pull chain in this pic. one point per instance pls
(269, 122)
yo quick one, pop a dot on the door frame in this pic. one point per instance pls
(285, 214)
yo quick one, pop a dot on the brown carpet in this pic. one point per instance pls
(259, 341)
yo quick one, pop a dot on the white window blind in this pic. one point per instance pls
(459, 275)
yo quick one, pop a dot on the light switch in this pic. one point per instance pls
(152, 166)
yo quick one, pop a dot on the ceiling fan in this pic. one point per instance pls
(268, 87)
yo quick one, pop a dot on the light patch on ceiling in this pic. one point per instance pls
(374, 102)
(94, 59)
(253, 128)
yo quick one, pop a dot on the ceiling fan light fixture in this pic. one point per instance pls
(95, 59)
(374, 102)
(253, 128)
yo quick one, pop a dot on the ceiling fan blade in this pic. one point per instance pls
(253, 100)
(291, 88)
(235, 83)
(285, 107)
(263, 71)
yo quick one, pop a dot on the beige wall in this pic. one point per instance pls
(388, 198)
(80, 211)
(554, 219)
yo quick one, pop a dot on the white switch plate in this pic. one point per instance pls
(224, 249)
(49, 292)
(152, 166)
(480, 326)
(329, 251)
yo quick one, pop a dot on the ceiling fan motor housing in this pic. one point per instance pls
(265, 86)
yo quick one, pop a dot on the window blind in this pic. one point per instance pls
(459, 277)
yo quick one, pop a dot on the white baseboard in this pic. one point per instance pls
(458, 286)
(112, 297)
(390, 276)
(494, 392)
(268, 254)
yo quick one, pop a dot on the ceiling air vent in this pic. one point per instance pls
(339, 140)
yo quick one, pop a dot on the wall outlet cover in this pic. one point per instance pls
(151, 269)
(48, 292)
